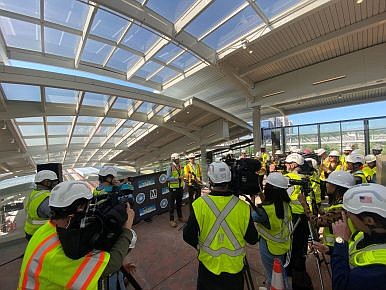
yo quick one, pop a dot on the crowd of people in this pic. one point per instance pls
(299, 193)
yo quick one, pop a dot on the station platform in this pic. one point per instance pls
(163, 260)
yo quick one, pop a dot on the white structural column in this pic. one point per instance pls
(256, 128)
(204, 167)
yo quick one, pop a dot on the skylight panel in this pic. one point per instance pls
(121, 132)
(108, 25)
(29, 120)
(147, 69)
(78, 140)
(31, 130)
(212, 15)
(20, 34)
(239, 25)
(62, 96)
(95, 100)
(83, 130)
(168, 52)
(164, 75)
(58, 129)
(59, 119)
(97, 140)
(35, 141)
(130, 124)
(71, 13)
(185, 61)
(164, 111)
(21, 92)
(111, 121)
(60, 42)
(103, 131)
(95, 51)
(87, 119)
(140, 38)
(57, 141)
(122, 60)
(171, 9)
(145, 107)
(29, 8)
(123, 104)
(272, 8)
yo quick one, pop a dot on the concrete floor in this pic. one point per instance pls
(164, 261)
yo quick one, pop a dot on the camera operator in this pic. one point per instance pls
(61, 253)
(107, 179)
(278, 162)
(273, 222)
(297, 267)
(354, 166)
(192, 177)
(219, 227)
(358, 261)
(337, 183)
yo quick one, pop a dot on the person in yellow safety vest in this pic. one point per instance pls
(175, 178)
(370, 168)
(219, 227)
(193, 178)
(346, 152)
(36, 204)
(359, 258)
(315, 196)
(322, 156)
(60, 255)
(273, 220)
(354, 166)
(338, 182)
(329, 165)
(297, 266)
(107, 179)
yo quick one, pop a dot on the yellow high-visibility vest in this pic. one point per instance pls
(278, 236)
(296, 207)
(176, 172)
(189, 169)
(45, 265)
(33, 221)
(370, 255)
(223, 222)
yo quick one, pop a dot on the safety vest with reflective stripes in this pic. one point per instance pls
(45, 265)
(33, 221)
(327, 164)
(370, 255)
(176, 172)
(278, 237)
(223, 222)
(369, 173)
(361, 175)
(189, 170)
(315, 185)
(296, 207)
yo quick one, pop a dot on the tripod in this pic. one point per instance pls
(248, 275)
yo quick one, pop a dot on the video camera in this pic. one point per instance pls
(305, 184)
(121, 194)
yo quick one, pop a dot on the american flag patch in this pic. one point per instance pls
(366, 199)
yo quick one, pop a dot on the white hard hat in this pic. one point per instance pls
(219, 172)
(377, 147)
(243, 151)
(65, 193)
(191, 155)
(370, 158)
(347, 148)
(314, 163)
(358, 152)
(108, 170)
(295, 157)
(320, 151)
(341, 178)
(277, 179)
(367, 197)
(258, 154)
(334, 153)
(45, 175)
(175, 156)
(355, 158)
(278, 152)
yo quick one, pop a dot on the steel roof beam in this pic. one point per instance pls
(191, 14)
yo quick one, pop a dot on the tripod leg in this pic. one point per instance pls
(316, 256)
(248, 275)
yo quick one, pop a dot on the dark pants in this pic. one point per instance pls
(175, 200)
(206, 280)
(194, 193)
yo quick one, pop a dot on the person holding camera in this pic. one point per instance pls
(337, 183)
(219, 226)
(61, 254)
(192, 177)
(175, 178)
(358, 261)
(107, 179)
(36, 204)
(273, 222)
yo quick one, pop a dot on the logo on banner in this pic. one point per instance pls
(146, 210)
(164, 190)
(163, 203)
(153, 193)
(140, 198)
(162, 178)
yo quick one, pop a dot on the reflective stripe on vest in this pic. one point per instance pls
(33, 221)
(176, 173)
(373, 254)
(359, 173)
(221, 222)
(295, 204)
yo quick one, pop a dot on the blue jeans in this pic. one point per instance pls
(267, 261)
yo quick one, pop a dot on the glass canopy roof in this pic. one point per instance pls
(93, 35)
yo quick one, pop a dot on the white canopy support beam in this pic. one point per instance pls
(192, 13)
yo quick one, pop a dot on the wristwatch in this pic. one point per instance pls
(339, 240)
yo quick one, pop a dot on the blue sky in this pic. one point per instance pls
(343, 113)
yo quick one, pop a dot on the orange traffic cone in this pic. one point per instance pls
(277, 281)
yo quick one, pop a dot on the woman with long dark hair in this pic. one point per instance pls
(273, 222)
